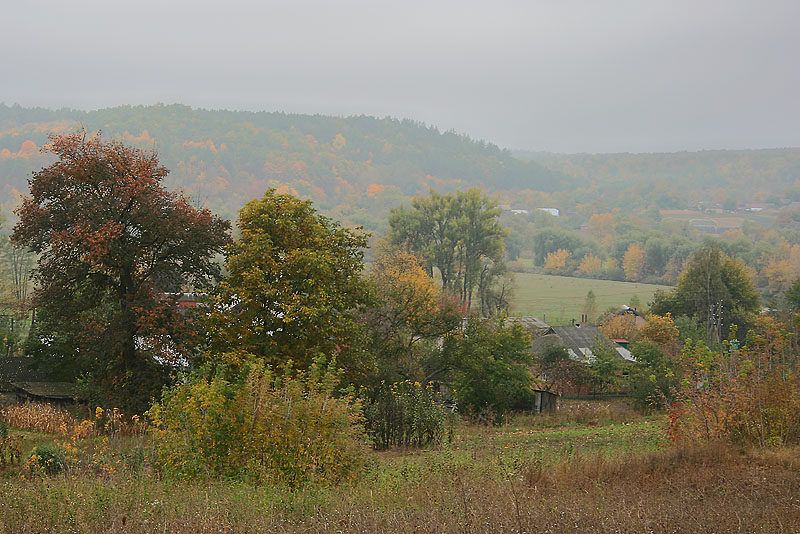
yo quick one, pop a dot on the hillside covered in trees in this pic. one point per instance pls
(356, 166)
(635, 217)
(766, 175)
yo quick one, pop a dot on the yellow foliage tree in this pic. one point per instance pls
(339, 142)
(633, 262)
(557, 262)
(590, 265)
(782, 269)
(660, 329)
(621, 326)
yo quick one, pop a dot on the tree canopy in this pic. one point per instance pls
(715, 289)
(112, 243)
(456, 235)
(293, 288)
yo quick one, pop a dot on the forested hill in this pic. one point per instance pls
(711, 174)
(356, 166)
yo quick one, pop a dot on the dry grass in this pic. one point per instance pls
(594, 467)
(594, 413)
(709, 489)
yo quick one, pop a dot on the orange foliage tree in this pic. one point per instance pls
(112, 243)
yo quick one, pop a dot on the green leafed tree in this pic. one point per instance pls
(715, 289)
(456, 235)
(492, 375)
(112, 243)
(293, 289)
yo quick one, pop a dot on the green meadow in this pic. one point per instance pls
(558, 299)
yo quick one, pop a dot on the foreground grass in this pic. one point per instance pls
(557, 474)
(561, 298)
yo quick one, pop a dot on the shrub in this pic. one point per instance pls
(9, 446)
(747, 397)
(47, 460)
(292, 429)
(654, 376)
(406, 414)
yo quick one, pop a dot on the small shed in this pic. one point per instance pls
(545, 401)
(52, 392)
(21, 379)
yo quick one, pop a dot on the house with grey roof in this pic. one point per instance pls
(578, 340)
(534, 326)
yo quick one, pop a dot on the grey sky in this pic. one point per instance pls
(540, 75)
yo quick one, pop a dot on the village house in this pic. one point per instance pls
(578, 340)
(21, 380)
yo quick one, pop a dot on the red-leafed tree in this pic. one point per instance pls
(112, 245)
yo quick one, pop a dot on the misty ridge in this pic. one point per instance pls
(357, 168)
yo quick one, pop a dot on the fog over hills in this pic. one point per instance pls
(357, 168)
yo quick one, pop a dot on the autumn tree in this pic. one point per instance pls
(633, 262)
(558, 261)
(293, 289)
(112, 244)
(602, 226)
(619, 326)
(407, 320)
(661, 330)
(590, 265)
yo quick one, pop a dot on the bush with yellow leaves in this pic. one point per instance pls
(257, 425)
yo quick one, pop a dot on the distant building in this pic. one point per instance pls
(552, 211)
(757, 206)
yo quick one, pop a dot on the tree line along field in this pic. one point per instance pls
(559, 299)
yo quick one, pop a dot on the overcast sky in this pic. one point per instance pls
(552, 75)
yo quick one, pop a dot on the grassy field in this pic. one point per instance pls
(593, 467)
(560, 299)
